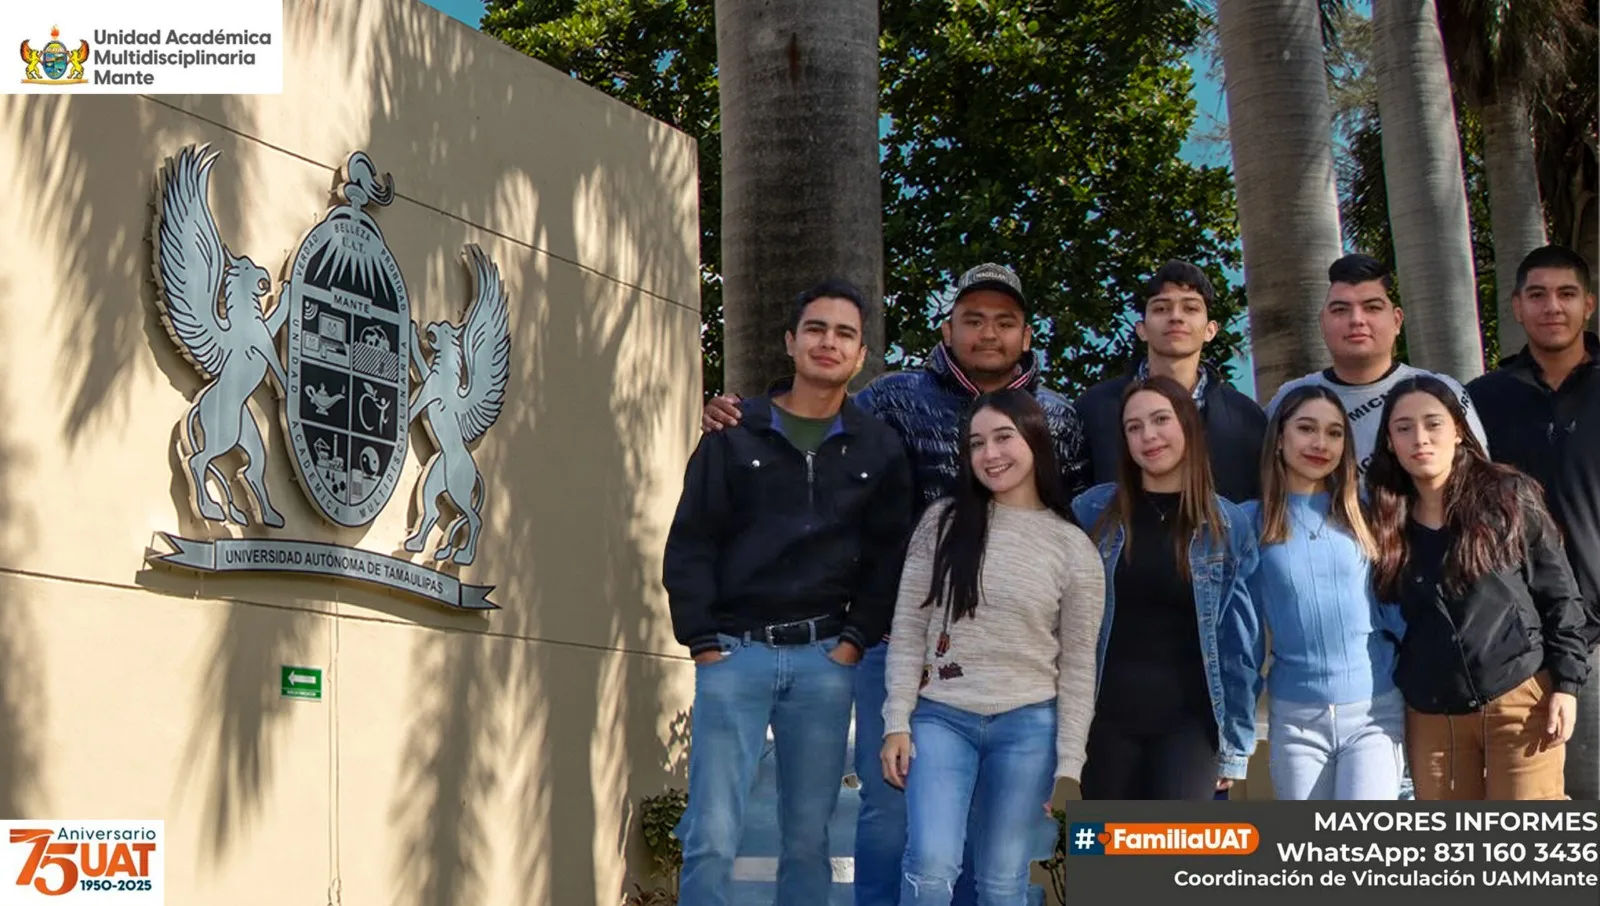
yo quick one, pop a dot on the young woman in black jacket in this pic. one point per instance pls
(1491, 655)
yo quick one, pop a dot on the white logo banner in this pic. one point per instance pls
(143, 47)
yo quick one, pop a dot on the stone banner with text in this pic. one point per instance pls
(318, 559)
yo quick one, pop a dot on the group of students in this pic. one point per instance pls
(1099, 591)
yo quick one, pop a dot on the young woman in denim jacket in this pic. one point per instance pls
(990, 679)
(1336, 721)
(1179, 649)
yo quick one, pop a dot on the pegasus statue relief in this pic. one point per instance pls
(230, 344)
(462, 392)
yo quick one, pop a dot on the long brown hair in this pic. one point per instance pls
(1487, 506)
(1197, 506)
(964, 525)
(1344, 506)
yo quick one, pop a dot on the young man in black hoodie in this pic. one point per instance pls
(1541, 410)
(781, 570)
(1175, 323)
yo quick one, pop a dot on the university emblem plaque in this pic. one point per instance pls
(349, 348)
(348, 356)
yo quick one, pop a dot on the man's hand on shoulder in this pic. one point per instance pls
(721, 412)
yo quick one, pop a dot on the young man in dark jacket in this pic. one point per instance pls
(1175, 323)
(987, 346)
(781, 568)
(1541, 410)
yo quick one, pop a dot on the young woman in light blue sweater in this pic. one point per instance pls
(1336, 720)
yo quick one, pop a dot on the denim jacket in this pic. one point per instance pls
(1231, 640)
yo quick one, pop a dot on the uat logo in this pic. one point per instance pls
(54, 62)
(82, 861)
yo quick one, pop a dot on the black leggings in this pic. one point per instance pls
(1177, 762)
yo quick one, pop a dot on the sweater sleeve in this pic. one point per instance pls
(909, 631)
(1083, 607)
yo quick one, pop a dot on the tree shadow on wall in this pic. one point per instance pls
(556, 729)
(555, 721)
(549, 714)
(114, 341)
(22, 711)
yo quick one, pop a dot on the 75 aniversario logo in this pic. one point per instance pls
(116, 863)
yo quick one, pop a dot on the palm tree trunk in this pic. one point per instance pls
(1427, 192)
(1516, 213)
(1583, 233)
(1280, 127)
(801, 198)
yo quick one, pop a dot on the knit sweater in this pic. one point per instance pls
(1315, 597)
(1032, 639)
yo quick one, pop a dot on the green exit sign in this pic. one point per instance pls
(301, 682)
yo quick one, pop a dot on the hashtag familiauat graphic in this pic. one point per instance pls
(1085, 839)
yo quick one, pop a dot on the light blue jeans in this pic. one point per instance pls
(881, 823)
(1353, 751)
(805, 696)
(994, 772)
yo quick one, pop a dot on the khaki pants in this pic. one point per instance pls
(1497, 753)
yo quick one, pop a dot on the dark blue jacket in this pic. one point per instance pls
(925, 408)
(1236, 428)
(765, 534)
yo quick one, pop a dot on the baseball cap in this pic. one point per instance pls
(997, 277)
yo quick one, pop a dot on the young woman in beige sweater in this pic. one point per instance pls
(991, 671)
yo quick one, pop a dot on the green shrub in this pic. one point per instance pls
(658, 816)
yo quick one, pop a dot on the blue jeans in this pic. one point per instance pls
(1353, 751)
(881, 823)
(805, 696)
(995, 773)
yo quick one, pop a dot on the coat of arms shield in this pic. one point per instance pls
(348, 354)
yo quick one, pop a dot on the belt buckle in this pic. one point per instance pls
(773, 631)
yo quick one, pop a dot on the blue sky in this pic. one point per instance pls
(1208, 99)
(468, 11)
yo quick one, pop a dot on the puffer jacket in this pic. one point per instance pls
(925, 408)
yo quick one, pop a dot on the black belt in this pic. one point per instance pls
(799, 632)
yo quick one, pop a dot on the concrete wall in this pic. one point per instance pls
(457, 758)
